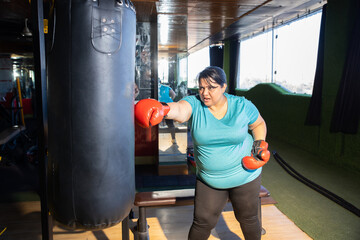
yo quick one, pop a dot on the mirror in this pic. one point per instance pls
(172, 135)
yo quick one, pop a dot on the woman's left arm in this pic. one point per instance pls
(260, 154)
(258, 128)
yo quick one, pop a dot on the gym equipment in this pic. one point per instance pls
(333, 197)
(18, 87)
(91, 62)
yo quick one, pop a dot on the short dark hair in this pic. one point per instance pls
(215, 73)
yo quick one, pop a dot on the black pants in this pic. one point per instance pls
(210, 202)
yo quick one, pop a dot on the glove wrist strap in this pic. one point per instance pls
(166, 108)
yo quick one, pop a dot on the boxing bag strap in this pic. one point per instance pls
(106, 33)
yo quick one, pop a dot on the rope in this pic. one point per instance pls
(335, 198)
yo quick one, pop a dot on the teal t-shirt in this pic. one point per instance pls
(164, 94)
(219, 145)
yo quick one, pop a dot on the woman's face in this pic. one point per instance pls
(210, 93)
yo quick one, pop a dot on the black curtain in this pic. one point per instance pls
(216, 56)
(346, 113)
(234, 64)
(314, 112)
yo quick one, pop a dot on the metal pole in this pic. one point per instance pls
(142, 228)
(125, 229)
(20, 100)
(41, 112)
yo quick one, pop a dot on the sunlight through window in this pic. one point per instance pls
(285, 55)
(163, 71)
(197, 61)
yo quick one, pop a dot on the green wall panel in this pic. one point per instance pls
(285, 112)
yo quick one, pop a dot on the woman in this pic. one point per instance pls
(227, 157)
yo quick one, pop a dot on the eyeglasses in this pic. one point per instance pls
(209, 88)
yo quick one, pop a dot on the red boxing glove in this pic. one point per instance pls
(259, 155)
(150, 112)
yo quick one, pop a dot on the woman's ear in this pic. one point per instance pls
(224, 87)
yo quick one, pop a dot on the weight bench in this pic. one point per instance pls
(180, 197)
(8, 138)
(9, 133)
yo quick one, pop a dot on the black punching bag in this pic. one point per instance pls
(91, 62)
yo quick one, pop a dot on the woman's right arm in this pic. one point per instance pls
(179, 111)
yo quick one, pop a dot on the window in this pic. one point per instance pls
(182, 84)
(295, 54)
(183, 69)
(163, 71)
(285, 55)
(197, 61)
(255, 61)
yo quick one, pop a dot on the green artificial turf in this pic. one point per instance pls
(315, 214)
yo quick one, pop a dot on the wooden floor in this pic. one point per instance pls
(21, 221)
